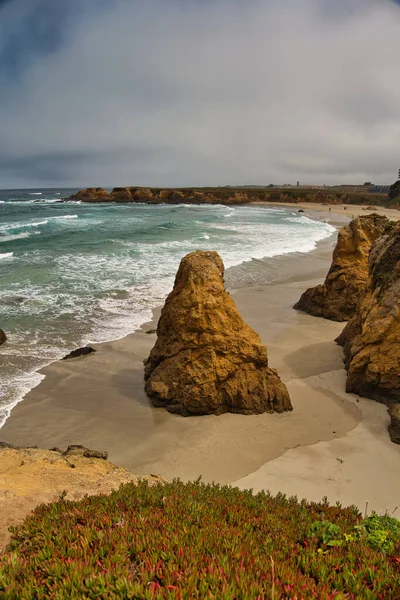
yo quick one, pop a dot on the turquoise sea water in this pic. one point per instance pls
(73, 273)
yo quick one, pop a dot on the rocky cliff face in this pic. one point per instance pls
(344, 286)
(371, 339)
(163, 196)
(31, 476)
(206, 359)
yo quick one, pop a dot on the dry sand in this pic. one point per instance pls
(99, 401)
(339, 213)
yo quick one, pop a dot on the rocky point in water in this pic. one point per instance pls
(371, 339)
(91, 195)
(344, 286)
(223, 195)
(206, 359)
(3, 337)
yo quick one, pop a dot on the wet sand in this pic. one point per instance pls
(99, 401)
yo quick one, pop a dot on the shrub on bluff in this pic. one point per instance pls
(344, 286)
(207, 360)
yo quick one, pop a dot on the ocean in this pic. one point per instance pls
(72, 273)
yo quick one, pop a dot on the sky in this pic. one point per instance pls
(198, 92)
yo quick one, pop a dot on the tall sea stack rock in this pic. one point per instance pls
(337, 298)
(371, 339)
(207, 360)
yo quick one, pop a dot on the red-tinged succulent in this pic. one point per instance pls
(195, 541)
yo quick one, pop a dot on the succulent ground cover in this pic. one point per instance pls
(185, 541)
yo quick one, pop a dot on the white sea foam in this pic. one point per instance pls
(19, 387)
(47, 200)
(35, 193)
(64, 217)
(12, 226)
(6, 255)
(17, 236)
(36, 224)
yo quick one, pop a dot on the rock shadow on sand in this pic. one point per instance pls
(315, 359)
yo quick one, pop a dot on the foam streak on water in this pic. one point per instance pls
(71, 272)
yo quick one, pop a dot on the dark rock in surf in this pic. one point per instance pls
(79, 352)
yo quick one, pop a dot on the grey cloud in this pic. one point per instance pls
(192, 93)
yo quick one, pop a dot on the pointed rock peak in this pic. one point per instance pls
(206, 359)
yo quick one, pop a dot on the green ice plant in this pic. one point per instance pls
(195, 541)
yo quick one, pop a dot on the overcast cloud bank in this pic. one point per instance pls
(198, 92)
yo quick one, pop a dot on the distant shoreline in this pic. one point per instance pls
(234, 196)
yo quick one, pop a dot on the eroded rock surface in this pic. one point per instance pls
(31, 476)
(337, 298)
(207, 359)
(371, 339)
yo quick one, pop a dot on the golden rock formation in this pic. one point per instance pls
(91, 195)
(207, 360)
(371, 339)
(337, 298)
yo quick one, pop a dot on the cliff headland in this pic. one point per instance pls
(232, 196)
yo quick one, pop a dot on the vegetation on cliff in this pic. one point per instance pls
(337, 298)
(32, 476)
(394, 193)
(188, 541)
(206, 358)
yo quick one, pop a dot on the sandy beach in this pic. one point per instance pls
(333, 444)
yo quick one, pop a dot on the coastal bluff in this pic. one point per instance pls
(337, 298)
(371, 340)
(32, 476)
(227, 195)
(206, 359)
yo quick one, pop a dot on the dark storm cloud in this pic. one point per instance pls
(198, 92)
